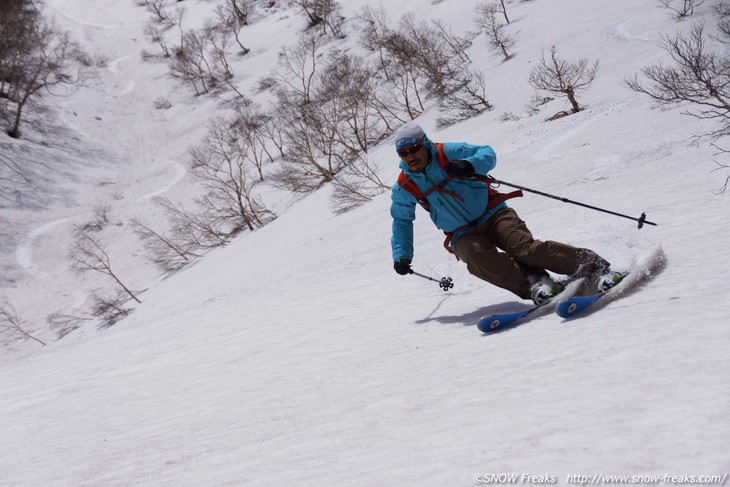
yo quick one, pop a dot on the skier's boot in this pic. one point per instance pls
(606, 279)
(542, 289)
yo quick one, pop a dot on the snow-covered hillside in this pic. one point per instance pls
(296, 356)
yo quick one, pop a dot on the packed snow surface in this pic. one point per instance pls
(296, 356)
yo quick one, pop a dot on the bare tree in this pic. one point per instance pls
(156, 36)
(314, 154)
(374, 34)
(308, 125)
(722, 9)
(494, 30)
(252, 126)
(163, 250)
(437, 56)
(110, 309)
(39, 58)
(221, 165)
(243, 9)
(556, 75)
(436, 60)
(682, 8)
(229, 205)
(324, 14)
(17, 21)
(88, 254)
(397, 98)
(157, 8)
(465, 102)
(699, 78)
(348, 84)
(156, 33)
(328, 128)
(100, 220)
(193, 231)
(202, 58)
(272, 131)
(357, 184)
(503, 9)
(298, 65)
(414, 60)
(325, 127)
(229, 20)
(11, 324)
(190, 63)
(62, 324)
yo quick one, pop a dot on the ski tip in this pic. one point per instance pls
(575, 305)
(568, 309)
(489, 324)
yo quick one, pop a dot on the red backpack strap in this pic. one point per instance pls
(410, 186)
(441, 155)
(413, 188)
(442, 159)
(495, 197)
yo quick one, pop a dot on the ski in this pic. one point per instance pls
(575, 305)
(491, 323)
(572, 306)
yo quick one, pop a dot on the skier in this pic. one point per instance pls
(477, 221)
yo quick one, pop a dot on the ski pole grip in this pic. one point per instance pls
(481, 177)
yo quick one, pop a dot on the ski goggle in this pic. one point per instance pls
(412, 149)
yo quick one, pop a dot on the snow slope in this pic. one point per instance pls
(296, 356)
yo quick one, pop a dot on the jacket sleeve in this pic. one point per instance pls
(482, 157)
(403, 211)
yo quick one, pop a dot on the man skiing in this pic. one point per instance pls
(477, 222)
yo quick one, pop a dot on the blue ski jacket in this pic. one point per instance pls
(459, 208)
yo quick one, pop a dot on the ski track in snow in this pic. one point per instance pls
(24, 252)
(622, 32)
(295, 356)
(86, 22)
(180, 173)
(113, 68)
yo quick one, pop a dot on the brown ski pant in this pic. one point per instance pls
(523, 259)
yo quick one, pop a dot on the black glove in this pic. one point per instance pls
(403, 267)
(458, 169)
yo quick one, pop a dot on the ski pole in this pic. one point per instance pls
(642, 219)
(445, 283)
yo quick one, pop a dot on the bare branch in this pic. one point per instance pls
(11, 322)
(87, 254)
(684, 8)
(699, 77)
(494, 30)
(556, 75)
